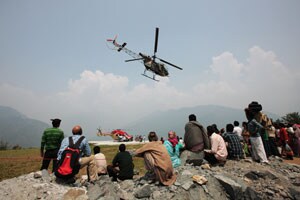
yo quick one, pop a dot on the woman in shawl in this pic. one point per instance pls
(157, 160)
(173, 148)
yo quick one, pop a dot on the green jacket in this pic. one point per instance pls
(52, 138)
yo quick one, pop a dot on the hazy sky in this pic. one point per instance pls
(54, 60)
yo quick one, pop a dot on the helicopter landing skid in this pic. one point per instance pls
(153, 78)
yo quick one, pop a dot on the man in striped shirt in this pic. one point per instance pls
(51, 141)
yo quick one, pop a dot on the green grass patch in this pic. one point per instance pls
(14, 163)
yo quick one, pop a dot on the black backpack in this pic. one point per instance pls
(68, 166)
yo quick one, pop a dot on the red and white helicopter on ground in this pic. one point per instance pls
(117, 135)
(149, 62)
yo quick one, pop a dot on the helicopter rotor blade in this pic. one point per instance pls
(169, 63)
(156, 40)
(134, 59)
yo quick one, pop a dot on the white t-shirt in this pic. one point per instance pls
(238, 130)
(100, 162)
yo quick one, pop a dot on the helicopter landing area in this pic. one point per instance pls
(115, 142)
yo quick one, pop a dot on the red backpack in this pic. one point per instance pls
(68, 166)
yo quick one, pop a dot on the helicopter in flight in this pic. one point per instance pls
(150, 62)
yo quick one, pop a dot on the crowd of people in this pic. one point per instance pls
(258, 138)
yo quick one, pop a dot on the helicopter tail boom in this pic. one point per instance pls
(114, 42)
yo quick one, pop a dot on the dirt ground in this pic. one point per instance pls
(295, 161)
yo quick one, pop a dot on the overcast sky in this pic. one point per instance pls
(54, 60)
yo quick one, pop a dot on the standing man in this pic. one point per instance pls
(195, 140)
(255, 128)
(51, 141)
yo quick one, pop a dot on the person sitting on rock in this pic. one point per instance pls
(100, 161)
(86, 159)
(157, 160)
(234, 146)
(218, 152)
(195, 140)
(122, 165)
(173, 147)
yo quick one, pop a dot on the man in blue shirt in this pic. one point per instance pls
(86, 159)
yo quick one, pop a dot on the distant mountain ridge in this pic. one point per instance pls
(18, 129)
(164, 121)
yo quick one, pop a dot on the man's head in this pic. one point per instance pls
(122, 147)
(192, 117)
(56, 122)
(236, 123)
(210, 130)
(215, 127)
(77, 130)
(255, 107)
(152, 136)
(96, 149)
(229, 128)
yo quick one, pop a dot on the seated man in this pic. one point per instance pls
(157, 160)
(218, 152)
(234, 146)
(86, 159)
(122, 165)
(100, 161)
(195, 140)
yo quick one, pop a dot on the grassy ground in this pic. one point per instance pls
(17, 162)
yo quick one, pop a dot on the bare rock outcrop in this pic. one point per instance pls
(242, 179)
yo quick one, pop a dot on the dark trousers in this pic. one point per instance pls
(48, 156)
(211, 158)
(273, 147)
(114, 172)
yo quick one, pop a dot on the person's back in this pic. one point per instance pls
(218, 152)
(195, 137)
(237, 130)
(125, 163)
(84, 146)
(122, 165)
(85, 158)
(195, 140)
(51, 140)
(218, 147)
(100, 161)
(234, 148)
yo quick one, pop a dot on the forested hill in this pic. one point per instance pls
(18, 129)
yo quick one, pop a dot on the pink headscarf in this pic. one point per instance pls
(173, 141)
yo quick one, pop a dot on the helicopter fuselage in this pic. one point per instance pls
(151, 65)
